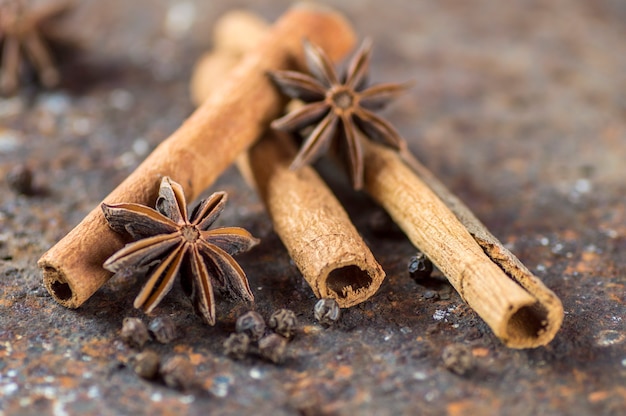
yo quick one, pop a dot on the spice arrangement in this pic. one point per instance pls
(489, 113)
(520, 310)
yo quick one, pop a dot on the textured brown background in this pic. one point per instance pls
(519, 107)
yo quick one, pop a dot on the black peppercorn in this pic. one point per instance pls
(272, 347)
(430, 294)
(146, 364)
(458, 358)
(134, 332)
(163, 329)
(20, 179)
(327, 311)
(420, 267)
(178, 373)
(237, 345)
(284, 322)
(251, 324)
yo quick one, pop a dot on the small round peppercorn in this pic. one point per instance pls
(284, 322)
(420, 267)
(237, 345)
(458, 358)
(134, 332)
(272, 347)
(178, 373)
(146, 364)
(163, 329)
(20, 179)
(251, 324)
(327, 311)
(430, 294)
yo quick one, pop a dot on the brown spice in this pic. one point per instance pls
(134, 332)
(272, 347)
(163, 329)
(185, 246)
(22, 38)
(252, 324)
(20, 179)
(317, 232)
(146, 364)
(283, 322)
(337, 106)
(327, 311)
(520, 310)
(178, 373)
(237, 345)
(458, 358)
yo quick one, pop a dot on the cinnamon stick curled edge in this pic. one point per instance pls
(310, 221)
(195, 154)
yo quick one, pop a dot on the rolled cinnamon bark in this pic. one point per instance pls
(195, 154)
(313, 226)
(518, 307)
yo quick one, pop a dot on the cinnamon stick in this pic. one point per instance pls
(195, 154)
(520, 310)
(312, 224)
(518, 307)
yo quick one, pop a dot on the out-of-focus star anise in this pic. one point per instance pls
(169, 243)
(337, 107)
(22, 38)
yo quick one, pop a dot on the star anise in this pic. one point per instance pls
(22, 38)
(337, 107)
(171, 243)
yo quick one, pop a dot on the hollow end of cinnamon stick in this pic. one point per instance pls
(69, 274)
(200, 150)
(349, 284)
(336, 270)
(536, 324)
(347, 281)
(67, 292)
(58, 285)
(527, 327)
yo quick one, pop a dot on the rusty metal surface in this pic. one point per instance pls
(518, 107)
